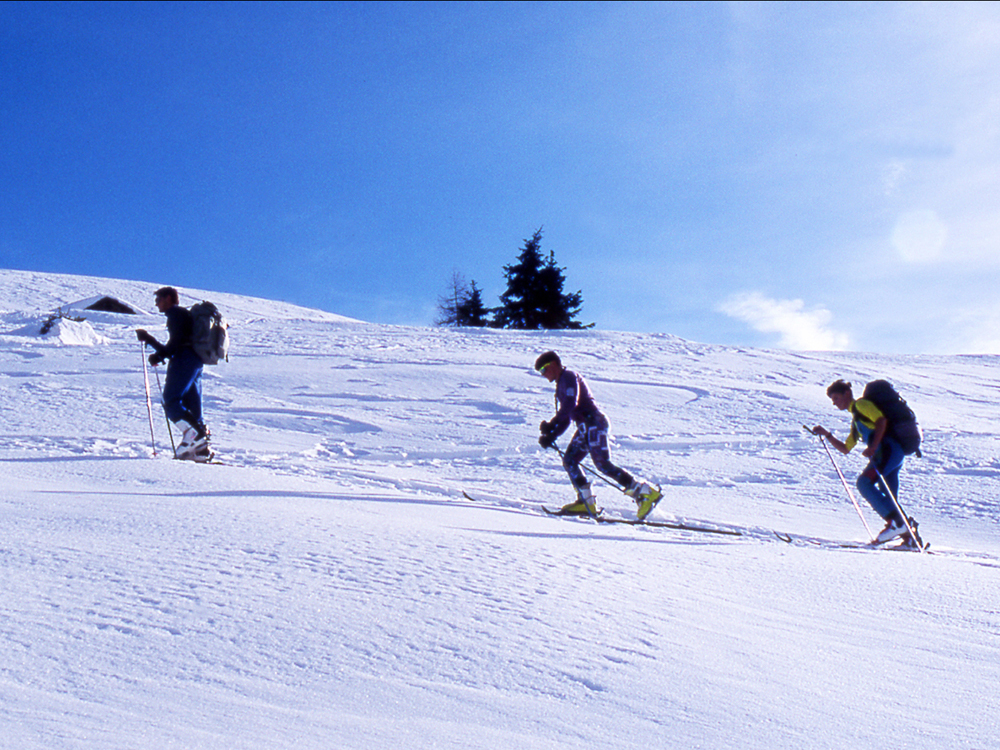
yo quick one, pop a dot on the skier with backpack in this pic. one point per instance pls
(889, 430)
(182, 393)
(575, 404)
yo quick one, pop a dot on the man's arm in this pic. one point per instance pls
(838, 444)
(147, 338)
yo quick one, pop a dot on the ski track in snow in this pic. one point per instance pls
(329, 586)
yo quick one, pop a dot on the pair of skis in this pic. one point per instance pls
(835, 544)
(599, 518)
(645, 522)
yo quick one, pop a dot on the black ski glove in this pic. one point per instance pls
(546, 440)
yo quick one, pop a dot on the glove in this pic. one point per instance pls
(546, 440)
(155, 359)
(143, 336)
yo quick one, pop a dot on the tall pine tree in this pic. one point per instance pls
(534, 298)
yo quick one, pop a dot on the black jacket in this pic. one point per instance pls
(180, 327)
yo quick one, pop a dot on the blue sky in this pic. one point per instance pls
(807, 176)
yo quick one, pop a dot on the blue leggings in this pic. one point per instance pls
(888, 461)
(592, 437)
(182, 391)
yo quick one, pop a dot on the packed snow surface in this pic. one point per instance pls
(327, 585)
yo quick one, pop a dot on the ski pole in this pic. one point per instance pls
(169, 430)
(591, 471)
(149, 400)
(843, 481)
(899, 509)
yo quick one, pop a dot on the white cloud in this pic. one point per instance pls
(799, 328)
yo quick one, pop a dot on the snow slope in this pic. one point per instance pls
(328, 586)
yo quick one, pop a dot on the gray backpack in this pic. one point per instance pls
(209, 333)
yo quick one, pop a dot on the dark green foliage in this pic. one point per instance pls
(462, 305)
(471, 311)
(534, 298)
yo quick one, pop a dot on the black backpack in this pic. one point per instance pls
(209, 333)
(902, 427)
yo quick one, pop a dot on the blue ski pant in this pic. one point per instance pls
(592, 437)
(888, 461)
(182, 391)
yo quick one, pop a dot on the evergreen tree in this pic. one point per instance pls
(534, 298)
(471, 311)
(518, 303)
(451, 300)
(557, 310)
(462, 304)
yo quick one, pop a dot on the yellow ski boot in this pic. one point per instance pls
(586, 505)
(646, 497)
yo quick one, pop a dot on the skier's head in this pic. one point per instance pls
(841, 394)
(838, 386)
(167, 293)
(545, 360)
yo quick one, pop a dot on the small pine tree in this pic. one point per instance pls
(462, 305)
(471, 311)
(534, 298)
(450, 302)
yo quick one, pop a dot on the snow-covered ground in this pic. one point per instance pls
(328, 586)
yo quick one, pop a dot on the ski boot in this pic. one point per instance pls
(894, 527)
(585, 505)
(912, 541)
(646, 497)
(194, 444)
